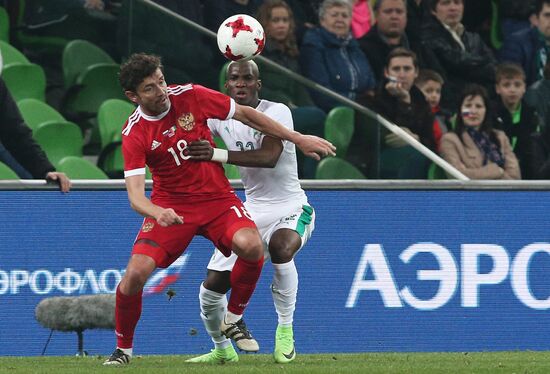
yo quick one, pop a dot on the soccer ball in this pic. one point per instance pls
(241, 37)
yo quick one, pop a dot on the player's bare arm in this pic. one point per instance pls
(312, 146)
(135, 185)
(265, 157)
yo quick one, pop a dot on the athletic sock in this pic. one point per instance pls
(244, 276)
(284, 289)
(127, 313)
(213, 305)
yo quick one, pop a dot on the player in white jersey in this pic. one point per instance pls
(276, 203)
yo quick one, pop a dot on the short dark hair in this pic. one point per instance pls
(539, 5)
(433, 3)
(509, 70)
(402, 52)
(138, 67)
(425, 75)
(378, 4)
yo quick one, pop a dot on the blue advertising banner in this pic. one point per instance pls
(384, 271)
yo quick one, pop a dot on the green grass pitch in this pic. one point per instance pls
(424, 363)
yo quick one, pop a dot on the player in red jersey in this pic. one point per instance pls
(189, 198)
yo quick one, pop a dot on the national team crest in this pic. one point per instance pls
(186, 121)
(147, 227)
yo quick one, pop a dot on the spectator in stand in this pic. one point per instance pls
(399, 101)
(362, 18)
(474, 147)
(530, 47)
(219, 10)
(277, 20)
(431, 83)
(331, 56)
(513, 115)
(416, 13)
(538, 96)
(387, 34)
(18, 149)
(537, 157)
(514, 16)
(461, 57)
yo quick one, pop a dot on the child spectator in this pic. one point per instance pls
(431, 83)
(513, 115)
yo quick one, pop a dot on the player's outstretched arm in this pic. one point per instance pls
(312, 146)
(135, 185)
(265, 157)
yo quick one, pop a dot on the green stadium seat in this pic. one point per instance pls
(77, 56)
(221, 78)
(339, 127)
(36, 112)
(436, 172)
(80, 168)
(10, 54)
(96, 84)
(4, 25)
(25, 81)
(59, 140)
(231, 171)
(337, 168)
(6, 172)
(111, 115)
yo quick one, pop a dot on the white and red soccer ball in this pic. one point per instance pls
(241, 37)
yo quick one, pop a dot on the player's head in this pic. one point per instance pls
(143, 83)
(243, 82)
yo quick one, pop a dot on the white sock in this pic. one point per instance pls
(232, 318)
(284, 289)
(128, 351)
(213, 305)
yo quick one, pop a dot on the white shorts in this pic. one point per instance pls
(300, 218)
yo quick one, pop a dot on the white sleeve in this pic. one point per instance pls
(280, 113)
(213, 125)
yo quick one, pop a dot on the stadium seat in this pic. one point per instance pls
(111, 115)
(436, 172)
(80, 168)
(337, 168)
(231, 171)
(4, 25)
(59, 140)
(223, 73)
(10, 54)
(96, 84)
(339, 127)
(77, 56)
(36, 112)
(6, 172)
(25, 81)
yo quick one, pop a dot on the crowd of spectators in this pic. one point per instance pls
(422, 64)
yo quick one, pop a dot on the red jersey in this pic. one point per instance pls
(161, 141)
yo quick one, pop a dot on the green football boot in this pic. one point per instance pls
(217, 356)
(284, 345)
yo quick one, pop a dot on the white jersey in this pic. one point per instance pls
(264, 185)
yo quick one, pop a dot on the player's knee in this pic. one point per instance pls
(281, 251)
(218, 281)
(134, 279)
(247, 244)
(283, 245)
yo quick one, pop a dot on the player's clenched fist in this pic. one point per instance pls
(168, 217)
(200, 150)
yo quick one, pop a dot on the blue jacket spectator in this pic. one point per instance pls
(331, 56)
(529, 48)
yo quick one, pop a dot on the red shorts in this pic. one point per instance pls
(215, 219)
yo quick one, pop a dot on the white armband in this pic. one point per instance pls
(220, 155)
